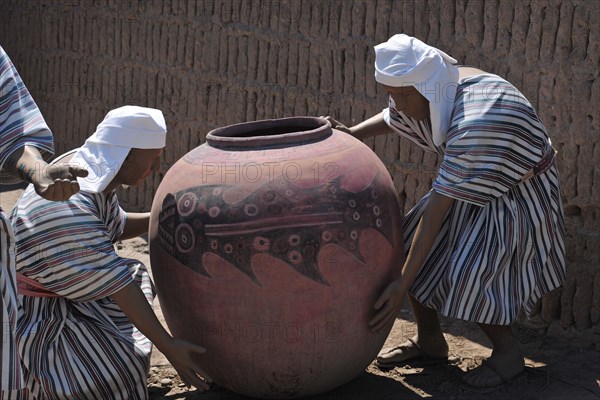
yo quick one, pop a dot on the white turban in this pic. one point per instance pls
(406, 61)
(121, 130)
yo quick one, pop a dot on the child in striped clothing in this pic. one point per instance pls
(87, 327)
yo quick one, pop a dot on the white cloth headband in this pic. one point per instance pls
(133, 127)
(122, 129)
(406, 61)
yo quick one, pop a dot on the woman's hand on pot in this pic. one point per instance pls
(387, 306)
(336, 124)
(180, 355)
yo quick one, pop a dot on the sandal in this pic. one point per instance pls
(397, 356)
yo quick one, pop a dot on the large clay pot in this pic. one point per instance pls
(269, 245)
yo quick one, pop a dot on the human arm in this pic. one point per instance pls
(24, 136)
(179, 352)
(54, 182)
(373, 126)
(390, 301)
(135, 225)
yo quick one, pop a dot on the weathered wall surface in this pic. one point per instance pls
(210, 63)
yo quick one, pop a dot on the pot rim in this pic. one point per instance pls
(310, 129)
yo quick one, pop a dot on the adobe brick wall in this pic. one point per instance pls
(212, 63)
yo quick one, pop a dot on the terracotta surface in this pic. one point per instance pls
(269, 245)
(213, 63)
(564, 367)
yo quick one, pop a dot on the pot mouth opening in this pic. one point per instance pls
(282, 132)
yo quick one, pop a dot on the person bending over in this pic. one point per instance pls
(488, 239)
(87, 326)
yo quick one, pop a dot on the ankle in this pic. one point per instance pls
(431, 335)
(432, 343)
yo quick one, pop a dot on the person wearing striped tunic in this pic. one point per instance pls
(24, 140)
(87, 327)
(488, 239)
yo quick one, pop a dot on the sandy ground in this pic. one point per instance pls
(558, 368)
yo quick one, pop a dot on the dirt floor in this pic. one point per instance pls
(556, 370)
(560, 365)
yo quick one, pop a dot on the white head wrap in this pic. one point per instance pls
(406, 61)
(121, 130)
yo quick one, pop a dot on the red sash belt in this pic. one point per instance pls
(30, 287)
(546, 162)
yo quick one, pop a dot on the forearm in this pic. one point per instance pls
(136, 225)
(373, 126)
(134, 304)
(25, 163)
(179, 352)
(425, 235)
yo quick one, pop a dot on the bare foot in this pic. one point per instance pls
(496, 370)
(415, 351)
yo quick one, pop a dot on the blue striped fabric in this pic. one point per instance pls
(501, 246)
(10, 371)
(80, 345)
(21, 123)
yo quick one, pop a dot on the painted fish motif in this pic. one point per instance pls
(279, 218)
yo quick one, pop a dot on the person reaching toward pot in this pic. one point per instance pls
(488, 239)
(87, 326)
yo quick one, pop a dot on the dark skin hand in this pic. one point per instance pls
(55, 182)
(410, 102)
(389, 303)
(180, 353)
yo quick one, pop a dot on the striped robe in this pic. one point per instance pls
(21, 123)
(501, 245)
(79, 345)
